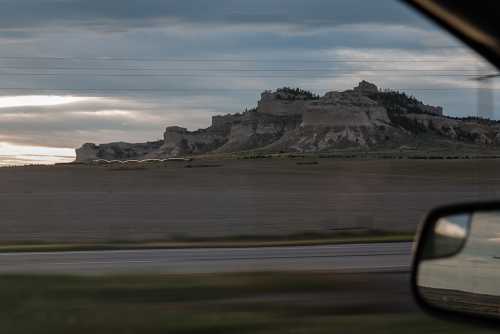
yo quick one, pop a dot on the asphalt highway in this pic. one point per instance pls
(349, 257)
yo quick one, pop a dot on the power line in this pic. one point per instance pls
(222, 60)
(197, 89)
(192, 75)
(127, 69)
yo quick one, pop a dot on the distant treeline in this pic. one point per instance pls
(293, 93)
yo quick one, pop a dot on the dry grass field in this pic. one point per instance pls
(233, 198)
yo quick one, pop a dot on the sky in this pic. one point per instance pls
(77, 71)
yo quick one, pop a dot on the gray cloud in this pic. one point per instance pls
(131, 13)
(104, 119)
(239, 48)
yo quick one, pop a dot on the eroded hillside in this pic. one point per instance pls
(295, 120)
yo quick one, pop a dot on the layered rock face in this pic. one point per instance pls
(294, 120)
(180, 141)
(118, 151)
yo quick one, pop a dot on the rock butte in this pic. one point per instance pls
(294, 120)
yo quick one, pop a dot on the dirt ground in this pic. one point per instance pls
(233, 197)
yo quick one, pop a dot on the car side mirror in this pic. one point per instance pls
(456, 268)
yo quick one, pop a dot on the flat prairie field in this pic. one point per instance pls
(224, 198)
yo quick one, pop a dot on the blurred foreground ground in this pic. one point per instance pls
(280, 302)
(264, 199)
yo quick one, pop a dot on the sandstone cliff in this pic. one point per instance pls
(294, 120)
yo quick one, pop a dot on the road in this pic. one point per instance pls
(348, 257)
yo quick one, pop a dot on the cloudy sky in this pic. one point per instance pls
(76, 71)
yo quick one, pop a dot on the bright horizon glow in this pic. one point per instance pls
(39, 100)
(14, 154)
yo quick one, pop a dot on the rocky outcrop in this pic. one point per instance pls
(179, 141)
(365, 87)
(118, 151)
(463, 130)
(295, 120)
(345, 109)
(285, 102)
(255, 129)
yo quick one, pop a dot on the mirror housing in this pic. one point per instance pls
(456, 264)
